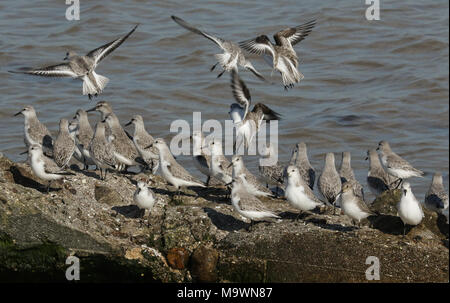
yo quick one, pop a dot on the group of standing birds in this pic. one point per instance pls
(110, 148)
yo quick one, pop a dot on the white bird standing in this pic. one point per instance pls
(144, 197)
(409, 208)
(353, 205)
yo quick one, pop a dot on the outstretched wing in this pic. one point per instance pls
(259, 45)
(269, 114)
(101, 52)
(58, 70)
(193, 29)
(240, 91)
(295, 34)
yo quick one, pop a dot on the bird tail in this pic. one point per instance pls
(101, 81)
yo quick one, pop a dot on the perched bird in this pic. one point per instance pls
(251, 182)
(347, 175)
(329, 182)
(247, 122)
(409, 209)
(144, 197)
(284, 57)
(102, 151)
(396, 165)
(298, 192)
(141, 139)
(36, 132)
(82, 67)
(269, 169)
(124, 148)
(73, 131)
(300, 159)
(84, 136)
(202, 157)
(352, 205)
(220, 166)
(44, 167)
(436, 199)
(64, 146)
(248, 205)
(232, 54)
(171, 170)
(377, 178)
(103, 107)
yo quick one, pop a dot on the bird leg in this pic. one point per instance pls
(48, 186)
(219, 75)
(213, 67)
(207, 180)
(90, 96)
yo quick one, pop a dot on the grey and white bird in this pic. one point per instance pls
(171, 170)
(250, 180)
(409, 208)
(124, 148)
(144, 197)
(329, 182)
(284, 57)
(44, 167)
(82, 67)
(378, 179)
(35, 132)
(232, 56)
(300, 159)
(142, 139)
(103, 107)
(84, 136)
(73, 131)
(270, 169)
(347, 175)
(220, 166)
(247, 122)
(298, 192)
(436, 198)
(396, 165)
(202, 157)
(102, 151)
(352, 205)
(247, 205)
(64, 145)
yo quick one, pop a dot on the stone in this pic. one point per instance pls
(203, 264)
(178, 258)
(107, 195)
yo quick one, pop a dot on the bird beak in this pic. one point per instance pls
(23, 153)
(231, 164)
(18, 113)
(129, 123)
(74, 117)
(104, 121)
(378, 148)
(91, 110)
(151, 145)
(367, 158)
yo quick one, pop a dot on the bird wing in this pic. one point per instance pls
(269, 114)
(259, 45)
(240, 91)
(101, 52)
(295, 34)
(193, 29)
(58, 70)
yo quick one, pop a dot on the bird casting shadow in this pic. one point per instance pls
(28, 182)
(129, 211)
(388, 224)
(225, 222)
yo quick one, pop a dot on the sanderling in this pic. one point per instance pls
(232, 54)
(409, 209)
(248, 205)
(247, 122)
(352, 205)
(220, 166)
(36, 132)
(102, 151)
(396, 165)
(300, 159)
(44, 167)
(64, 145)
(298, 192)
(272, 174)
(347, 175)
(124, 149)
(284, 57)
(141, 139)
(103, 107)
(84, 136)
(251, 182)
(73, 131)
(171, 170)
(329, 182)
(202, 157)
(82, 67)
(377, 178)
(144, 197)
(436, 199)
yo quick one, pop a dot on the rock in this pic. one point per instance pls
(178, 258)
(107, 195)
(98, 222)
(204, 261)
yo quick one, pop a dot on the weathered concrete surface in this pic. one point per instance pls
(198, 238)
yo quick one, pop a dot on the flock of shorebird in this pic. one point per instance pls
(110, 148)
